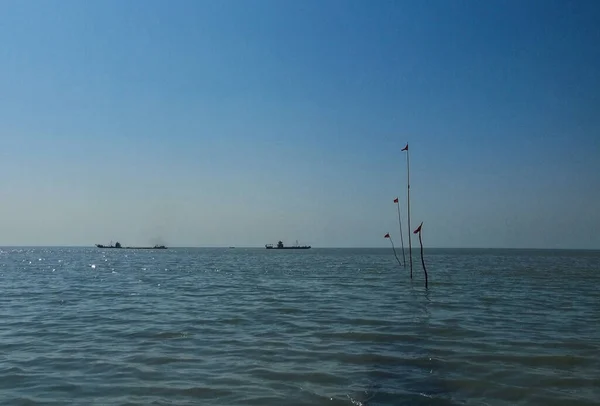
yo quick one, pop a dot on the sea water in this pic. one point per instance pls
(87, 326)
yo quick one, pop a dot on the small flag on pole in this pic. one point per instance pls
(418, 229)
(405, 148)
(400, 226)
(387, 235)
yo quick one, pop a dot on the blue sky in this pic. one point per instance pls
(216, 123)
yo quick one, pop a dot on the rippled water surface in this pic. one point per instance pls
(85, 326)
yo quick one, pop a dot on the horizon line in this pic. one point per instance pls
(346, 247)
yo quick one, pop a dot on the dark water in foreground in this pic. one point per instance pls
(318, 327)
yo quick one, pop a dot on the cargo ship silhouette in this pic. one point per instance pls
(118, 245)
(280, 246)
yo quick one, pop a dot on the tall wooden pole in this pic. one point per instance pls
(397, 201)
(408, 208)
(418, 230)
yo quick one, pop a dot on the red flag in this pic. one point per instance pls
(405, 148)
(396, 200)
(418, 230)
(387, 235)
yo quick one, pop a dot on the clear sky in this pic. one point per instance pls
(216, 123)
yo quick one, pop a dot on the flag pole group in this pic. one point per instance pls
(417, 230)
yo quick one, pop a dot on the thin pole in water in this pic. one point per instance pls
(397, 201)
(418, 230)
(408, 207)
(394, 249)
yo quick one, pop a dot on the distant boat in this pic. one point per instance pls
(280, 246)
(118, 245)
